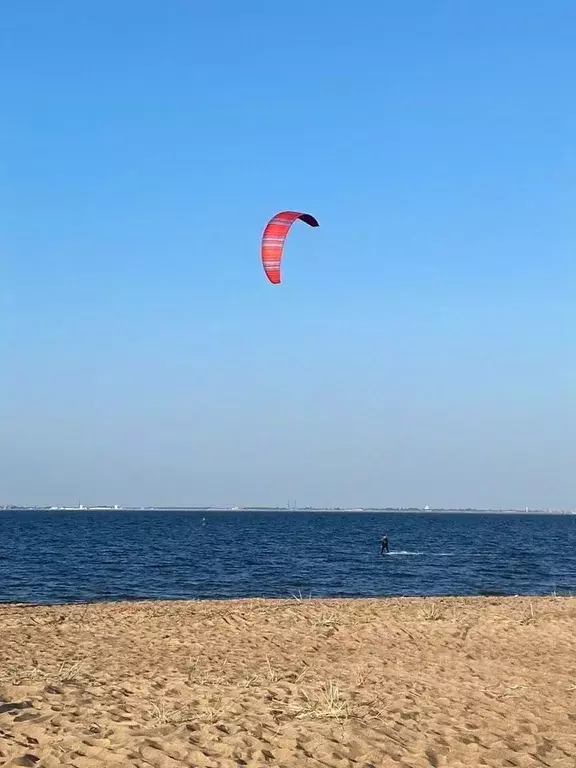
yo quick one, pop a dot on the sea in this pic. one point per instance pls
(49, 557)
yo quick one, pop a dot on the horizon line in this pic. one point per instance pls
(279, 508)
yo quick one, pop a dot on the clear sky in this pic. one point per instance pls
(421, 348)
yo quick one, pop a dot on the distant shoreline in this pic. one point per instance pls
(298, 510)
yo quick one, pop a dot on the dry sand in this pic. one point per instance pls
(406, 682)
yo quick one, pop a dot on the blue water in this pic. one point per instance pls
(54, 557)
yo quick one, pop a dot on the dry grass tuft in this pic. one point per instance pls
(529, 617)
(326, 703)
(69, 671)
(360, 675)
(431, 613)
(326, 620)
(161, 714)
(300, 597)
(66, 672)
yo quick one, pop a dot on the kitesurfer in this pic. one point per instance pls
(384, 545)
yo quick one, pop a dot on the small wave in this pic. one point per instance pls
(430, 554)
(404, 552)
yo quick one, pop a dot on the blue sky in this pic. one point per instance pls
(420, 349)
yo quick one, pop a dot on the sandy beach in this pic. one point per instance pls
(338, 683)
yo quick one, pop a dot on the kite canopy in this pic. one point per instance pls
(273, 239)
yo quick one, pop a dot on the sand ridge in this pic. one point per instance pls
(420, 682)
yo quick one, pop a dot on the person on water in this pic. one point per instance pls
(384, 547)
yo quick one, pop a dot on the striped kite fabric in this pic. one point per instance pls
(273, 238)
